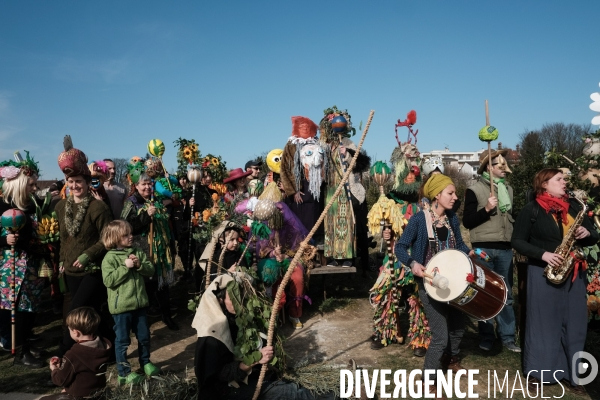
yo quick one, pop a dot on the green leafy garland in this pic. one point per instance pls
(253, 311)
(327, 134)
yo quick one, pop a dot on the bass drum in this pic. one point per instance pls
(473, 288)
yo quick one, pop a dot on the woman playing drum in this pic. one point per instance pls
(556, 319)
(446, 323)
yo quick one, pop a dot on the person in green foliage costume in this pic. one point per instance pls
(150, 222)
(407, 181)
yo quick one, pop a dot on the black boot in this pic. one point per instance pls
(172, 325)
(28, 360)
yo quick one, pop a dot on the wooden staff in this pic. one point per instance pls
(222, 255)
(346, 185)
(190, 256)
(13, 296)
(487, 123)
(151, 234)
(300, 251)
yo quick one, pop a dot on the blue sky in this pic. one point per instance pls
(115, 74)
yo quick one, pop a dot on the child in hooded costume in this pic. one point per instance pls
(220, 374)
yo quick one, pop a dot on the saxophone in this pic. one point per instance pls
(567, 249)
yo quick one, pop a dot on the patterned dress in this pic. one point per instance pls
(28, 284)
(339, 221)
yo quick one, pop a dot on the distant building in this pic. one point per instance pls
(467, 162)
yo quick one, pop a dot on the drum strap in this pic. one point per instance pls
(430, 234)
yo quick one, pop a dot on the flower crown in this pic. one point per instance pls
(10, 169)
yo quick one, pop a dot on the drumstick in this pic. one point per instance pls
(439, 281)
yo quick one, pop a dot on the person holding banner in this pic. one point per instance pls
(446, 323)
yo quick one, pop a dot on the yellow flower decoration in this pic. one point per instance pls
(206, 214)
(194, 147)
(187, 153)
(215, 162)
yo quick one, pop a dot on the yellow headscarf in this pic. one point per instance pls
(435, 184)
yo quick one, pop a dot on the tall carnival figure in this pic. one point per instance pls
(556, 324)
(303, 170)
(18, 185)
(340, 222)
(490, 225)
(407, 180)
(81, 219)
(446, 323)
(146, 213)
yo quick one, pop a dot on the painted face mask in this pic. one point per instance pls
(311, 157)
(274, 160)
(502, 164)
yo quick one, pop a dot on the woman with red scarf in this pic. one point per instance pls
(556, 321)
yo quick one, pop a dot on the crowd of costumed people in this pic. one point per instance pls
(248, 239)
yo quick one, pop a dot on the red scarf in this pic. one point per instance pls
(554, 205)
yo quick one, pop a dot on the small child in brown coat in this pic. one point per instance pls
(82, 370)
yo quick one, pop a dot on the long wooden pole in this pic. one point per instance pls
(13, 298)
(300, 251)
(487, 123)
(190, 253)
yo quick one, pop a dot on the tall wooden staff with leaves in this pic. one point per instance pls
(487, 134)
(300, 251)
(13, 220)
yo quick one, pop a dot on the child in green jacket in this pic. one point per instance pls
(123, 271)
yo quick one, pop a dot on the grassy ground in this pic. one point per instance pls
(343, 292)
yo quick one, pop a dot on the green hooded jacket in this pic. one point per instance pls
(125, 286)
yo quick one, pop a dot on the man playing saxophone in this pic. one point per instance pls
(556, 321)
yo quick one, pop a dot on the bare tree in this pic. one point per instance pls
(121, 169)
(557, 136)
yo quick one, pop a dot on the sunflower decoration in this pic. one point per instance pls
(187, 154)
(216, 167)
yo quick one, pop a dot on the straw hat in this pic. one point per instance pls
(483, 159)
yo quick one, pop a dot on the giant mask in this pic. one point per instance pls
(311, 159)
(406, 161)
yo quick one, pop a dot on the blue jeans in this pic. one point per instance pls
(126, 322)
(501, 263)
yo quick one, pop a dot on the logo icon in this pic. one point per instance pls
(584, 367)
